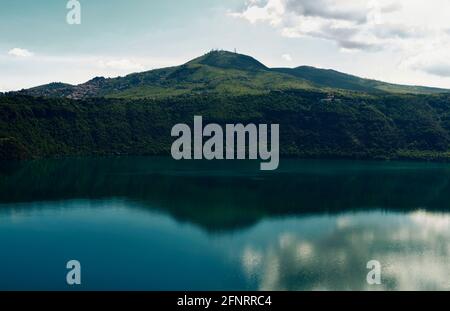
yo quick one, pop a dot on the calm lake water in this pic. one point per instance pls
(157, 224)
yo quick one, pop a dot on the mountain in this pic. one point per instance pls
(321, 113)
(222, 72)
(328, 78)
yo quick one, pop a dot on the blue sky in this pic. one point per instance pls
(397, 41)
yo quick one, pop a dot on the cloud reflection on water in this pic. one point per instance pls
(414, 250)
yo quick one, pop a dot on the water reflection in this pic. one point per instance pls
(414, 251)
(312, 225)
(214, 194)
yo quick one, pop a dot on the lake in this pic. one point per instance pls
(157, 224)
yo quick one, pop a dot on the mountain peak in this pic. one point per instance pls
(229, 60)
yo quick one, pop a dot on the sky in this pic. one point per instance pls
(398, 41)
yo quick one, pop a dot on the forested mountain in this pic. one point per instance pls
(312, 124)
(221, 72)
(322, 113)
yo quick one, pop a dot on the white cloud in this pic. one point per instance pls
(287, 57)
(18, 52)
(271, 12)
(414, 30)
(431, 62)
(353, 24)
(120, 64)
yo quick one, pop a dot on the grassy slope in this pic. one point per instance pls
(222, 73)
(337, 80)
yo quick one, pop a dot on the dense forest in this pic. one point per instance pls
(312, 123)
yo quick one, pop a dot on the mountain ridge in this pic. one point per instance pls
(222, 72)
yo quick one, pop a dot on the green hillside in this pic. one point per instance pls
(328, 78)
(322, 113)
(221, 72)
(311, 124)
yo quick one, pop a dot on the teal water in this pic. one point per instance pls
(157, 224)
